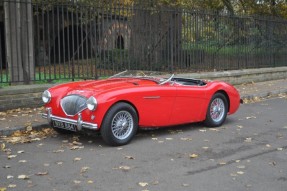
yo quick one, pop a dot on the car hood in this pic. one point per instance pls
(93, 87)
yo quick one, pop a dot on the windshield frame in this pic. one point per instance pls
(158, 77)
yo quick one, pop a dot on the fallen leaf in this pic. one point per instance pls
(23, 177)
(76, 147)
(10, 177)
(193, 155)
(129, 157)
(77, 143)
(77, 159)
(84, 169)
(90, 182)
(279, 149)
(251, 117)
(248, 140)
(124, 168)
(77, 181)
(19, 152)
(11, 156)
(12, 186)
(22, 161)
(2, 146)
(58, 151)
(240, 172)
(143, 184)
(42, 173)
(3, 189)
(186, 139)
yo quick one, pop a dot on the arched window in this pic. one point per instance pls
(120, 42)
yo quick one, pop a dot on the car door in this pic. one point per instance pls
(155, 105)
(188, 104)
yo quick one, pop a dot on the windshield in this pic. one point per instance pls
(159, 77)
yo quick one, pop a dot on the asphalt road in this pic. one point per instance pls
(249, 152)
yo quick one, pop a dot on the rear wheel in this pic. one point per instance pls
(217, 110)
(119, 125)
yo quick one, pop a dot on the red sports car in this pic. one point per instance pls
(121, 104)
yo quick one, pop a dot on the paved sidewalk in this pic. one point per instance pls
(30, 118)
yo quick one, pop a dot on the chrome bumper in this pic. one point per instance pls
(79, 123)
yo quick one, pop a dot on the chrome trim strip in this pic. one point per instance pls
(151, 97)
(79, 123)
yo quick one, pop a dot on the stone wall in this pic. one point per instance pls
(30, 95)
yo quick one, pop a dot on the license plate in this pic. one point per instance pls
(62, 125)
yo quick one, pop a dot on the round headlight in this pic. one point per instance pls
(46, 96)
(92, 103)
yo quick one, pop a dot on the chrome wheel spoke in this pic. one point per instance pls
(217, 110)
(122, 125)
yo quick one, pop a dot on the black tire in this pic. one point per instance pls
(217, 110)
(120, 124)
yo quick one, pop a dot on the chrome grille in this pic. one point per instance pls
(73, 104)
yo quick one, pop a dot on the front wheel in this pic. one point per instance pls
(217, 110)
(119, 125)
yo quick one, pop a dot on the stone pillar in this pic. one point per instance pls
(19, 41)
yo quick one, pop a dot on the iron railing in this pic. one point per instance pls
(76, 41)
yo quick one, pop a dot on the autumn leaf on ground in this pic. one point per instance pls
(11, 156)
(10, 177)
(3, 189)
(42, 173)
(248, 140)
(12, 186)
(186, 139)
(76, 147)
(77, 159)
(85, 169)
(129, 157)
(143, 184)
(2, 147)
(23, 177)
(193, 155)
(251, 117)
(124, 168)
(77, 143)
(77, 181)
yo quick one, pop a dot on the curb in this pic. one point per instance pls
(38, 127)
(10, 131)
(264, 94)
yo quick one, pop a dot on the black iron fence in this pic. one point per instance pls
(76, 41)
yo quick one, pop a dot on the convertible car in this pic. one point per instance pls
(116, 107)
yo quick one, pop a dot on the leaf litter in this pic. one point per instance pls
(28, 136)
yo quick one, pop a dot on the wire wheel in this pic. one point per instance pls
(217, 110)
(122, 125)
